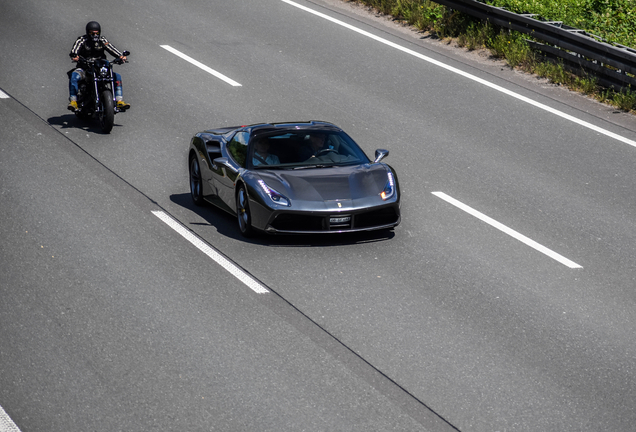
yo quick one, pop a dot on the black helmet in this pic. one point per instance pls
(92, 26)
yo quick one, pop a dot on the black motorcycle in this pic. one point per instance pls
(96, 96)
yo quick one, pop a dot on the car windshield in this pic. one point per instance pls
(302, 149)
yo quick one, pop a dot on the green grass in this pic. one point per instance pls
(613, 20)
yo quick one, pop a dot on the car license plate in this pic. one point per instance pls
(335, 220)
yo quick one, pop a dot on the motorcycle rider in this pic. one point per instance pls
(92, 45)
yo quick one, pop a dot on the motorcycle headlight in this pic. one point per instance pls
(103, 71)
(389, 189)
(275, 196)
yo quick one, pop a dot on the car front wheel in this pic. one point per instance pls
(243, 213)
(196, 183)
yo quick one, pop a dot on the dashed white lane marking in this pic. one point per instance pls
(6, 424)
(201, 65)
(3, 95)
(469, 76)
(533, 244)
(212, 253)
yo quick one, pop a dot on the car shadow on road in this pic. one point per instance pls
(71, 121)
(227, 225)
(224, 222)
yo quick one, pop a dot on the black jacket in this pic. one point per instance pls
(93, 48)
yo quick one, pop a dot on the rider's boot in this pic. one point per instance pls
(72, 106)
(122, 105)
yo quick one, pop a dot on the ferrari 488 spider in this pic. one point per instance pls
(293, 178)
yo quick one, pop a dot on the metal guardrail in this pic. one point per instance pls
(613, 65)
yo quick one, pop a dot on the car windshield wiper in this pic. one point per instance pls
(313, 166)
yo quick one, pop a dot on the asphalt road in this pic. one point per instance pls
(111, 320)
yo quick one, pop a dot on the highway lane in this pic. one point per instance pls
(110, 321)
(486, 331)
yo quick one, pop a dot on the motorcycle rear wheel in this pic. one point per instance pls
(107, 112)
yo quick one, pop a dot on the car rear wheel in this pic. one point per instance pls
(243, 213)
(196, 183)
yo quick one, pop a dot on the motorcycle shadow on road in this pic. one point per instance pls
(227, 225)
(71, 121)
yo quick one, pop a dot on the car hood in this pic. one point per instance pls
(335, 184)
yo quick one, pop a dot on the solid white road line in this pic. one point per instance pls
(201, 65)
(3, 95)
(469, 76)
(6, 424)
(507, 230)
(212, 253)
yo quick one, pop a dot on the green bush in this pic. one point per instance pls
(625, 100)
(613, 20)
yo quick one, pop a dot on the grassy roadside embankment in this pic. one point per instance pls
(613, 20)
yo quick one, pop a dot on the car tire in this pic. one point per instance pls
(196, 182)
(243, 213)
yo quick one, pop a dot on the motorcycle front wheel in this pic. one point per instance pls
(107, 112)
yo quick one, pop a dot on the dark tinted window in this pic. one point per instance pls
(237, 148)
(307, 147)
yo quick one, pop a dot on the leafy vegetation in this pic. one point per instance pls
(613, 20)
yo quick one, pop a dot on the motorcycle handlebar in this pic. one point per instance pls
(91, 61)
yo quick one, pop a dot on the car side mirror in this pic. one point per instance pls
(224, 162)
(380, 154)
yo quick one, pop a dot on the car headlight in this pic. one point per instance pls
(389, 189)
(274, 195)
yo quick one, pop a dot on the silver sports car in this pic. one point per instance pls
(293, 178)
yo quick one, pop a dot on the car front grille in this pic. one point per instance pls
(384, 216)
(298, 222)
(335, 222)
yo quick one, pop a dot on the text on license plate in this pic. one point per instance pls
(340, 219)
